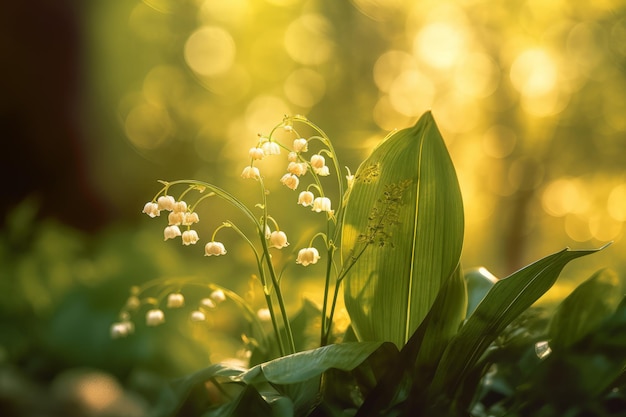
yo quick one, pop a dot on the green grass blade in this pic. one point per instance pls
(507, 299)
(404, 223)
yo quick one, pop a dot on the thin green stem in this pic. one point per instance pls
(272, 272)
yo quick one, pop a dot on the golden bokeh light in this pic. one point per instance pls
(386, 117)
(308, 39)
(499, 141)
(605, 228)
(389, 65)
(577, 227)
(564, 196)
(232, 85)
(455, 113)
(148, 127)
(379, 9)
(165, 84)
(232, 12)
(477, 75)
(283, 2)
(616, 204)
(148, 23)
(163, 6)
(305, 87)
(411, 93)
(210, 51)
(534, 73)
(260, 115)
(440, 44)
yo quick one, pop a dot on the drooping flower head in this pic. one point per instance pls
(300, 145)
(171, 232)
(251, 172)
(318, 161)
(305, 198)
(278, 240)
(197, 315)
(256, 153)
(214, 249)
(322, 204)
(297, 168)
(121, 329)
(271, 148)
(175, 300)
(307, 256)
(166, 202)
(151, 209)
(290, 181)
(190, 237)
(155, 317)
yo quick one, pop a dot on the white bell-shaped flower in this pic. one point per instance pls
(307, 256)
(278, 240)
(214, 249)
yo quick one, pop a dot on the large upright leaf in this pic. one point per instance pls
(404, 227)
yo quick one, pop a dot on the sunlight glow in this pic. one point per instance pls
(305, 87)
(210, 51)
(440, 44)
(616, 204)
(563, 196)
(148, 126)
(308, 39)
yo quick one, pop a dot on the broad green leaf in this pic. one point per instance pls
(585, 308)
(174, 395)
(507, 299)
(298, 376)
(302, 366)
(442, 323)
(419, 357)
(403, 228)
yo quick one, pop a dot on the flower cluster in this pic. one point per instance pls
(180, 215)
(155, 316)
(305, 169)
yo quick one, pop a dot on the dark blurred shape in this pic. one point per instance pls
(41, 112)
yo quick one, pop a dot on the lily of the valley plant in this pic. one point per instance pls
(423, 333)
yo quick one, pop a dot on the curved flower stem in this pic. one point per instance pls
(272, 272)
(201, 185)
(266, 292)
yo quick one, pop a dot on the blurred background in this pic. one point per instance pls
(100, 99)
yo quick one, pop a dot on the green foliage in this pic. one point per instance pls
(406, 204)
(426, 337)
